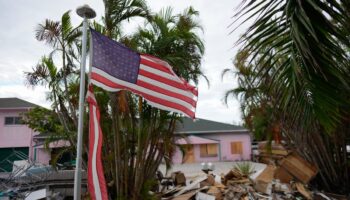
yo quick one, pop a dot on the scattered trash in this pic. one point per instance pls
(179, 178)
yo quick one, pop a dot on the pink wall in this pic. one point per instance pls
(43, 156)
(177, 157)
(15, 135)
(225, 142)
(224, 145)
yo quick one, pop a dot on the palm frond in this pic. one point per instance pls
(49, 32)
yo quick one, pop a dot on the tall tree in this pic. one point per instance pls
(143, 136)
(64, 39)
(137, 137)
(304, 47)
(174, 38)
(47, 74)
(168, 37)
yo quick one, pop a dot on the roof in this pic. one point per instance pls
(54, 144)
(15, 103)
(196, 140)
(42, 135)
(198, 126)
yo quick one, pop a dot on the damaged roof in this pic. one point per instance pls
(198, 126)
(15, 103)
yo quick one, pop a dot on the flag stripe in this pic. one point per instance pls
(110, 83)
(150, 101)
(137, 88)
(165, 85)
(165, 80)
(96, 180)
(160, 73)
(119, 84)
(165, 64)
(166, 92)
(154, 65)
(94, 167)
(171, 75)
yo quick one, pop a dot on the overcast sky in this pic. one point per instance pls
(19, 50)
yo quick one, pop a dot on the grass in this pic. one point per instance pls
(245, 168)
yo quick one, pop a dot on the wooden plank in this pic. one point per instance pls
(203, 150)
(302, 190)
(263, 181)
(275, 151)
(236, 147)
(299, 168)
(212, 149)
(283, 175)
(264, 145)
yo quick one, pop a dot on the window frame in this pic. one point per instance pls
(15, 121)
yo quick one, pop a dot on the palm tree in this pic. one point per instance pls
(171, 38)
(119, 11)
(304, 47)
(135, 125)
(64, 39)
(47, 74)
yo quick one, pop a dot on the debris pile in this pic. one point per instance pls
(285, 179)
(271, 153)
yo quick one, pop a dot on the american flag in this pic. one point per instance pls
(96, 180)
(116, 67)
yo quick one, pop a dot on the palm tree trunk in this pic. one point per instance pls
(70, 106)
(115, 132)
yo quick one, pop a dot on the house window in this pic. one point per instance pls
(13, 120)
(236, 148)
(208, 150)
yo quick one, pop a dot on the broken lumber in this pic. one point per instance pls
(299, 168)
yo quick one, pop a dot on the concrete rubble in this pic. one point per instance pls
(285, 177)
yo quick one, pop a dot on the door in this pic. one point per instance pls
(189, 153)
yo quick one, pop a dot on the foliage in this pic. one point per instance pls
(63, 38)
(245, 168)
(295, 79)
(43, 120)
(173, 38)
(139, 125)
(118, 11)
(137, 137)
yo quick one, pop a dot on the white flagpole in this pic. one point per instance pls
(87, 13)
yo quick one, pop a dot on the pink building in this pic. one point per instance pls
(14, 136)
(17, 140)
(198, 141)
(208, 141)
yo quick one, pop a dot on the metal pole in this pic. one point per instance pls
(87, 13)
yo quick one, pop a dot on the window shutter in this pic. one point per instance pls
(239, 148)
(212, 149)
(236, 148)
(203, 150)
